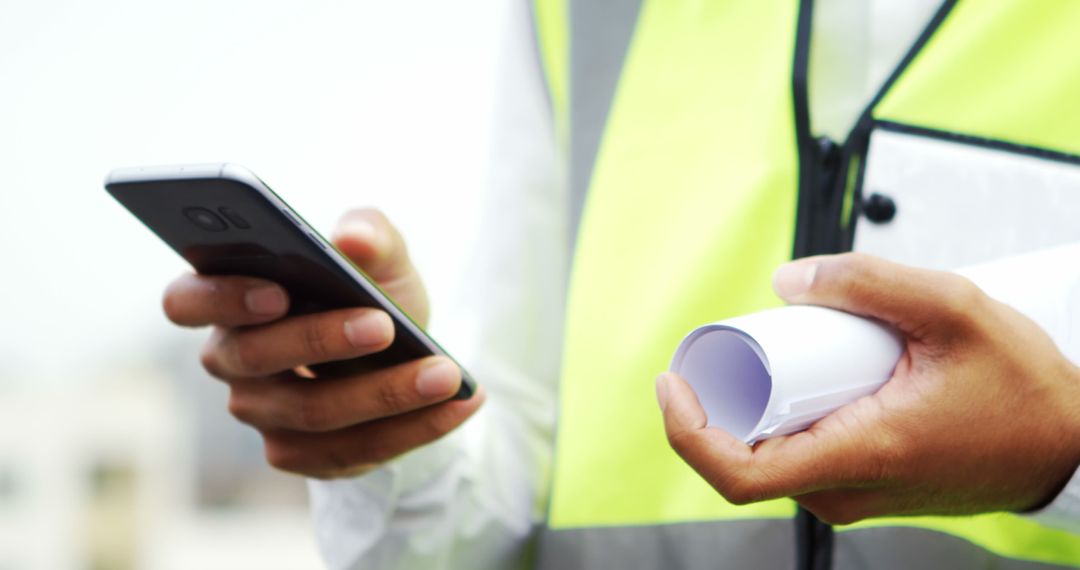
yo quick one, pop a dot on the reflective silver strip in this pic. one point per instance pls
(764, 544)
(904, 548)
(745, 545)
(600, 33)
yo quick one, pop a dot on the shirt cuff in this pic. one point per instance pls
(354, 517)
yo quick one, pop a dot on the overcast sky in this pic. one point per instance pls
(335, 104)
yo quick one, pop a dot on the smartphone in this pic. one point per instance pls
(224, 220)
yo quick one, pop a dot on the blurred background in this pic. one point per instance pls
(116, 450)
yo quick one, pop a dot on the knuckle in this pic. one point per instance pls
(827, 514)
(210, 359)
(680, 441)
(282, 456)
(371, 447)
(854, 268)
(315, 338)
(440, 423)
(245, 357)
(843, 274)
(337, 461)
(334, 463)
(961, 297)
(312, 414)
(860, 260)
(740, 490)
(839, 513)
(391, 398)
(849, 263)
(379, 452)
(844, 263)
(240, 406)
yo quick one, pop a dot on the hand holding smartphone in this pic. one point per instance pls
(368, 401)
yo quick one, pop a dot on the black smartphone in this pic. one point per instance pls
(224, 220)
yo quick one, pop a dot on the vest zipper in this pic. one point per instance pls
(830, 180)
(819, 165)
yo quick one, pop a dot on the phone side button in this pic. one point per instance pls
(291, 217)
(318, 241)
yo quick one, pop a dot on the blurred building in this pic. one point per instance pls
(142, 469)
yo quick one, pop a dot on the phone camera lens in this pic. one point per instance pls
(234, 217)
(205, 219)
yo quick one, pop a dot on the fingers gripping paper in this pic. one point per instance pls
(776, 372)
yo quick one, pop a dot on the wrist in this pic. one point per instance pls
(1072, 414)
(1051, 444)
(1069, 437)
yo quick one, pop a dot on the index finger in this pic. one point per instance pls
(229, 301)
(368, 238)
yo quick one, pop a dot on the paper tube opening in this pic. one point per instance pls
(730, 377)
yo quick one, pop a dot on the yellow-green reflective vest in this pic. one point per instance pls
(685, 124)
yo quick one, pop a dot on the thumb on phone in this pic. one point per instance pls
(368, 238)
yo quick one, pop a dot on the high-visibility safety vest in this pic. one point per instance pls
(690, 150)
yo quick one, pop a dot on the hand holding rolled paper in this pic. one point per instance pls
(776, 372)
(921, 393)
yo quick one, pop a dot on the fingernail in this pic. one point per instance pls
(438, 379)
(370, 328)
(662, 391)
(362, 230)
(265, 300)
(794, 279)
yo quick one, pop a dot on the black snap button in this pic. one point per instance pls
(879, 208)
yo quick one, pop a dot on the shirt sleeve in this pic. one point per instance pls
(474, 498)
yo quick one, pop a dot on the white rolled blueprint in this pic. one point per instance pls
(778, 371)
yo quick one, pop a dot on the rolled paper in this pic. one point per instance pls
(778, 371)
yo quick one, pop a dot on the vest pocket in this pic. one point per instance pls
(943, 201)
